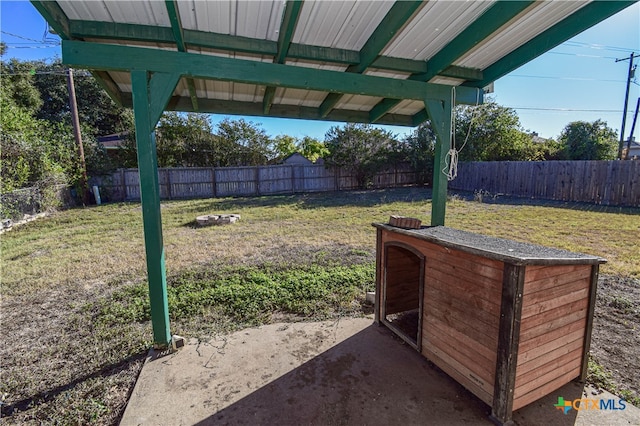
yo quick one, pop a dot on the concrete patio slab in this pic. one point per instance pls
(346, 372)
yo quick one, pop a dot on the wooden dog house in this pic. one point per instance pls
(509, 321)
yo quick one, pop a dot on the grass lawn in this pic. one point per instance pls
(74, 295)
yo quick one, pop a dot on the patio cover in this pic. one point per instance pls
(384, 62)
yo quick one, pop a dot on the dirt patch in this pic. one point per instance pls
(59, 367)
(615, 341)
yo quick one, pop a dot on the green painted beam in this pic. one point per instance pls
(569, 27)
(151, 217)
(392, 22)
(492, 19)
(106, 82)
(329, 102)
(399, 64)
(464, 73)
(230, 43)
(214, 106)
(115, 57)
(288, 24)
(323, 54)
(440, 116)
(178, 35)
(55, 16)
(381, 108)
(267, 98)
(120, 31)
(287, 27)
(420, 117)
(161, 87)
(176, 24)
(191, 85)
(164, 35)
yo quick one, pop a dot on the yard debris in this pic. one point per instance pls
(217, 219)
(405, 222)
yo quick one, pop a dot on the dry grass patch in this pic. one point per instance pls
(74, 299)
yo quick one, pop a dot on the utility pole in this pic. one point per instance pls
(626, 100)
(633, 128)
(75, 120)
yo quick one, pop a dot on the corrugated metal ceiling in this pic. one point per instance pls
(327, 35)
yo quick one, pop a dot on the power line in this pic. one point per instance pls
(581, 55)
(564, 78)
(565, 109)
(598, 46)
(46, 41)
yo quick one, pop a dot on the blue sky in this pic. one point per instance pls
(578, 80)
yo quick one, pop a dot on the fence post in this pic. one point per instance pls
(168, 180)
(123, 183)
(214, 190)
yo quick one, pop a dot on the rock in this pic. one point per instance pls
(217, 219)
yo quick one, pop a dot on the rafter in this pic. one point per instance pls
(104, 79)
(225, 42)
(491, 20)
(116, 57)
(579, 21)
(178, 35)
(393, 21)
(287, 27)
(217, 106)
(55, 16)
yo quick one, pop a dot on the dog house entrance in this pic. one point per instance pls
(402, 290)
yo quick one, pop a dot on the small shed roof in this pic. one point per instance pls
(317, 47)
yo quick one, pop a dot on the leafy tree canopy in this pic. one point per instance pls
(361, 148)
(420, 146)
(312, 148)
(97, 111)
(581, 140)
(491, 132)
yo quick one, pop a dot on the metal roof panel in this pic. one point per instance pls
(129, 12)
(435, 25)
(339, 24)
(535, 20)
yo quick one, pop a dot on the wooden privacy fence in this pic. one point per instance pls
(601, 182)
(206, 182)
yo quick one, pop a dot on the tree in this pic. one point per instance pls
(360, 148)
(31, 151)
(581, 140)
(491, 132)
(96, 109)
(420, 146)
(249, 143)
(18, 82)
(312, 148)
(284, 146)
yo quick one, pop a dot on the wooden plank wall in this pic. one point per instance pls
(552, 329)
(204, 182)
(461, 314)
(402, 280)
(601, 182)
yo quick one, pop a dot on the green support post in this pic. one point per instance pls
(440, 115)
(150, 197)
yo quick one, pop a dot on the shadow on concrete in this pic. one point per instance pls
(373, 378)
